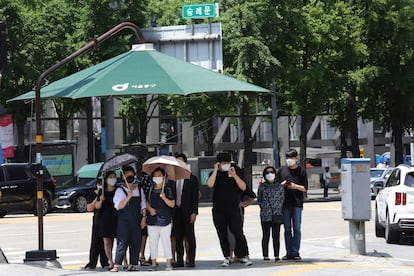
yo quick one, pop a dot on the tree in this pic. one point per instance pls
(391, 43)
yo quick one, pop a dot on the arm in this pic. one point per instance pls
(212, 179)
(90, 207)
(170, 202)
(247, 202)
(125, 201)
(195, 191)
(240, 182)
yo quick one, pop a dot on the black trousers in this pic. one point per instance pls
(183, 228)
(97, 249)
(233, 222)
(266, 227)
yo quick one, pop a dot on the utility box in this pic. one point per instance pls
(355, 189)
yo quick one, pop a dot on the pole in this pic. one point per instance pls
(42, 254)
(357, 237)
(274, 127)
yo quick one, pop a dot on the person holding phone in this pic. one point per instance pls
(295, 181)
(228, 188)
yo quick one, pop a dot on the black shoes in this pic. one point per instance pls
(178, 264)
(292, 257)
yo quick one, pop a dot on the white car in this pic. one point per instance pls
(394, 206)
(378, 177)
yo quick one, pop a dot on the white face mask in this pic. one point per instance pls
(189, 167)
(225, 167)
(111, 181)
(290, 162)
(270, 177)
(158, 179)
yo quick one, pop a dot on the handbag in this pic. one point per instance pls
(277, 219)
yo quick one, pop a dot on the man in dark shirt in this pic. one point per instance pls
(295, 181)
(228, 188)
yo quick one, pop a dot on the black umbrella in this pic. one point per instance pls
(117, 161)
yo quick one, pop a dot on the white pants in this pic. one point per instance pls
(154, 234)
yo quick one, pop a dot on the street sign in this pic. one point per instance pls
(200, 10)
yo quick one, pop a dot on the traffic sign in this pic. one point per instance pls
(200, 10)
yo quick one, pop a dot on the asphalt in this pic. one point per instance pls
(318, 259)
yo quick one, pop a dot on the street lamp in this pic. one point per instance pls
(50, 255)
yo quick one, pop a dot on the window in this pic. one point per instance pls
(409, 179)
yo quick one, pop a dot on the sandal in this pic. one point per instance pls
(114, 269)
(133, 268)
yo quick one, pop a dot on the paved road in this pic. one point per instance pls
(325, 249)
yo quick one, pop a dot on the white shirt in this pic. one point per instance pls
(120, 195)
(327, 177)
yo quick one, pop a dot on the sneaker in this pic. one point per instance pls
(226, 262)
(297, 257)
(287, 257)
(266, 259)
(169, 268)
(277, 259)
(246, 261)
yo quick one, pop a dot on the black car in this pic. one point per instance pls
(74, 193)
(18, 188)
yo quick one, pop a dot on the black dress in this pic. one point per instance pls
(109, 217)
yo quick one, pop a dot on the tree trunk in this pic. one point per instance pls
(353, 123)
(343, 145)
(303, 139)
(397, 133)
(248, 143)
(210, 138)
(143, 123)
(62, 127)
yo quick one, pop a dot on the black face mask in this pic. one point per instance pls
(130, 179)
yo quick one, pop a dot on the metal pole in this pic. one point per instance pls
(91, 45)
(357, 237)
(274, 127)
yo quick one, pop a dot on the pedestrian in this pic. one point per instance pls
(228, 188)
(97, 245)
(185, 214)
(293, 177)
(109, 215)
(247, 198)
(130, 202)
(270, 196)
(327, 179)
(160, 204)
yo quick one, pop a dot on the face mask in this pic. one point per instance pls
(111, 181)
(225, 167)
(270, 176)
(290, 162)
(158, 179)
(130, 179)
(189, 167)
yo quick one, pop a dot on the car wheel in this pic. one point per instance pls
(379, 229)
(79, 204)
(391, 236)
(45, 206)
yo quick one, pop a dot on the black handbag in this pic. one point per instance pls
(277, 219)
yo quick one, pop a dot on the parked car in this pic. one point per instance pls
(394, 206)
(74, 192)
(18, 189)
(378, 178)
